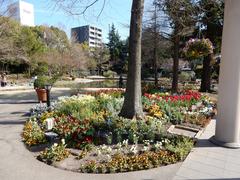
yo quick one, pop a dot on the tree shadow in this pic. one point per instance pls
(21, 113)
(19, 102)
(205, 143)
(12, 122)
(39, 148)
(207, 179)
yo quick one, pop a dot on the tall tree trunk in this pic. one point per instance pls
(206, 74)
(175, 63)
(155, 47)
(132, 106)
(155, 67)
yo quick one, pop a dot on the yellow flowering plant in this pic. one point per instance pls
(32, 133)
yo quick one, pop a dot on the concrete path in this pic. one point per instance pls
(208, 161)
(17, 163)
(29, 96)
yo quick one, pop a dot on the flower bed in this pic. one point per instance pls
(91, 133)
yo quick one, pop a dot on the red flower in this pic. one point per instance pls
(88, 139)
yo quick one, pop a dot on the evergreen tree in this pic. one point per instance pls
(115, 47)
(211, 20)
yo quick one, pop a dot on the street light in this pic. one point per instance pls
(48, 88)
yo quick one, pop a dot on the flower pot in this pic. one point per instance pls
(42, 95)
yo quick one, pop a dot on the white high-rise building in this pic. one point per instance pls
(23, 12)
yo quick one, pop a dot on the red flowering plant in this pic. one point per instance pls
(185, 99)
(76, 132)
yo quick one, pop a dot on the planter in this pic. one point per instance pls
(42, 95)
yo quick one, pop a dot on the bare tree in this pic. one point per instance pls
(75, 58)
(132, 106)
(181, 17)
(77, 7)
(7, 10)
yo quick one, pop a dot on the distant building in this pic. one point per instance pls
(87, 34)
(23, 12)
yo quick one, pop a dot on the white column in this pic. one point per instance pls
(228, 121)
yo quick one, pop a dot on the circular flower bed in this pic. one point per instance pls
(198, 48)
(91, 137)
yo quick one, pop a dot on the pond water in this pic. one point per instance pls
(96, 84)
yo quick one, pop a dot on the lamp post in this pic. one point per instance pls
(48, 88)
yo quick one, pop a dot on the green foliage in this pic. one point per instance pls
(83, 109)
(180, 146)
(118, 50)
(22, 46)
(56, 152)
(109, 104)
(32, 133)
(110, 74)
(114, 44)
(41, 69)
(29, 41)
(41, 81)
(185, 77)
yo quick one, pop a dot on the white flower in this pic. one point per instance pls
(55, 144)
(99, 152)
(125, 143)
(145, 148)
(108, 157)
(146, 142)
(119, 145)
(158, 145)
(63, 141)
(109, 149)
(133, 149)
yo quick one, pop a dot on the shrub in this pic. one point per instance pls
(33, 134)
(185, 77)
(110, 74)
(84, 106)
(41, 81)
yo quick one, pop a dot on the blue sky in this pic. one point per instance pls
(115, 11)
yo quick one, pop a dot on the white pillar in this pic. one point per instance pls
(228, 121)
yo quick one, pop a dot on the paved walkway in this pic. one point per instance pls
(208, 161)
